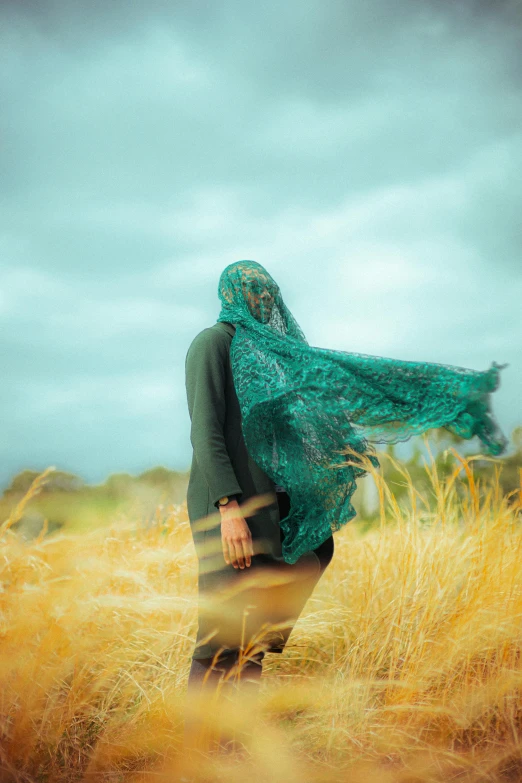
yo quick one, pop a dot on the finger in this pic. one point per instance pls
(239, 553)
(247, 547)
(232, 550)
(226, 555)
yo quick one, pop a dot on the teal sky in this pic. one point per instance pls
(368, 154)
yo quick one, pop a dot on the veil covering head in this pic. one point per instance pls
(308, 413)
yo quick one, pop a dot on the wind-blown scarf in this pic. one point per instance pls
(302, 405)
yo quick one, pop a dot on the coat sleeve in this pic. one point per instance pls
(205, 378)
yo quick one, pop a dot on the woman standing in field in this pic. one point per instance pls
(233, 552)
(281, 430)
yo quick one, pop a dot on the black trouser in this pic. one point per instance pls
(252, 669)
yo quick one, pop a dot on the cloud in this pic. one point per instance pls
(63, 310)
(137, 394)
(366, 154)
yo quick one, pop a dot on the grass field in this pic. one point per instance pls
(404, 666)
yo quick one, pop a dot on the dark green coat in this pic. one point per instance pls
(221, 465)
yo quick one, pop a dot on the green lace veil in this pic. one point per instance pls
(301, 406)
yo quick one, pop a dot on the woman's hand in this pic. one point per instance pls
(235, 536)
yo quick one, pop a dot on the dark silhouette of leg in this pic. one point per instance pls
(226, 673)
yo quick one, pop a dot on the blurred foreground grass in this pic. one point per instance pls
(404, 666)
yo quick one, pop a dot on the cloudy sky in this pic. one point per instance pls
(368, 154)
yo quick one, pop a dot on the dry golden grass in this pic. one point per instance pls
(405, 665)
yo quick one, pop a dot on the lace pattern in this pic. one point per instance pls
(302, 405)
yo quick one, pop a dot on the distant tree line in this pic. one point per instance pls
(117, 486)
(66, 496)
